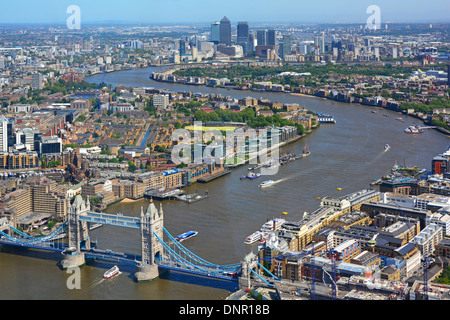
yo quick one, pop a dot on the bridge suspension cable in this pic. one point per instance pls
(197, 258)
(30, 240)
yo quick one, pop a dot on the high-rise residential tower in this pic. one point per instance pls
(285, 47)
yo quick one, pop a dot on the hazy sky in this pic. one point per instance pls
(182, 11)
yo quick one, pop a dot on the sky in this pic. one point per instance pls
(205, 11)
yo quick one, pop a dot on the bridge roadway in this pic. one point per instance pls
(110, 219)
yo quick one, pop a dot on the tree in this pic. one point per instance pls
(131, 166)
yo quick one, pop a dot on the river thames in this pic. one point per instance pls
(347, 155)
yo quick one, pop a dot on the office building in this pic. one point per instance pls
(261, 37)
(243, 35)
(36, 196)
(271, 38)
(50, 145)
(225, 31)
(215, 32)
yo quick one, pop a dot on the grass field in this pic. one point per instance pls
(212, 128)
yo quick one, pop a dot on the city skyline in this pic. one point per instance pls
(199, 11)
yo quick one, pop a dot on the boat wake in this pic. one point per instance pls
(102, 280)
(284, 179)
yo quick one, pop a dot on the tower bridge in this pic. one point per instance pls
(159, 249)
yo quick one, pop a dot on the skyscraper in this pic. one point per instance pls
(448, 72)
(242, 35)
(215, 32)
(3, 134)
(182, 49)
(225, 31)
(251, 42)
(322, 43)
(271, 38)
(286, 46)
(242, 31)
(261, 37)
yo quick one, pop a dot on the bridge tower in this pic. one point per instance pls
(152, 223)
(78, 232)
(248, 264)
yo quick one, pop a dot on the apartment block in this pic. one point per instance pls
(128, 189)
(428, 238)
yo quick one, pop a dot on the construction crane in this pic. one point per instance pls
(332, 254)
(424, 261)
(312, 289)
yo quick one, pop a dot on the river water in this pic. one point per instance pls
(347, 155)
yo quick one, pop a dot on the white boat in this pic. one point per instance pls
(255, 236)
(111, 272)
(272, 225)
(412, 130)
(386, 147)
(266, 183)
(186, 235)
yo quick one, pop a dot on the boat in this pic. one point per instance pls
(262, 234)
(253, 175)
(375, 182)
(339, 189)
(111, 272)
(271, 225)
(266, 183)
(386, 147)
(413, 130)
(255, 236)
(272, 164)
(186, 235)
(306, 151)
(243, 177)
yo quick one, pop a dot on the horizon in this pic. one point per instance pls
(169, 12)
